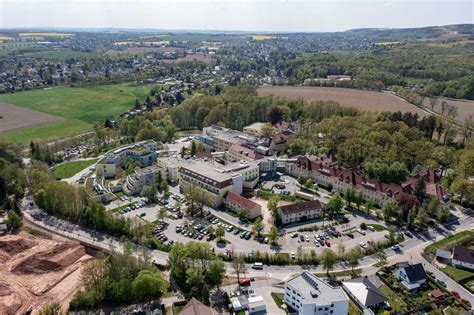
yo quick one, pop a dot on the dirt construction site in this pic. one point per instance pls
(37, 271)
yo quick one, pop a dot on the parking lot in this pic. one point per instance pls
(185, 229)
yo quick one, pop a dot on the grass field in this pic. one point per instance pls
(362, 100)
(262, 37)
(69, 169)
(448, 242)
(80, 108)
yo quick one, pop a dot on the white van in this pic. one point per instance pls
(257, 265)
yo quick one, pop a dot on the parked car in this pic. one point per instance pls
(361, 231)
(293, 235)
(292, 255)
(363, 245)
(396, 247)
(456, 294)
(327, 243)
(370, 228)
(441, 283)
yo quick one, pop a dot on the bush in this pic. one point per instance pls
(363, 226)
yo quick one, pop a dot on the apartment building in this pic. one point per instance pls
(147, 176)
(142, 153)
(325, 171)
(223, 138)
(309, 295)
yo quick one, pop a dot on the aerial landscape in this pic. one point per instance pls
(218, 158)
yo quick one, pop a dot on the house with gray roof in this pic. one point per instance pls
(364, 293)
(309, 295)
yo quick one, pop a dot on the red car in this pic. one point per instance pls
(328, 244)
(245, 282)
(456, 294)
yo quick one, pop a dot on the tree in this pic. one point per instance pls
(164, 186)
(390, 209)
(275, 115)
(257, 226)
(273, 235)
(149, 192)
(238, 264)
(335, 205)
(211, 230)
(52, 309)
(162, 214)
(328, 259)
(13, 220)
(369, 204)
(148, 285)
(220, 232)
(419, 190)
(464, 188)
(266, 131)
(349, 195)
(341, 249)
(195, 280)
(242, 214)
(216, 272)
(358, 199)
(353, 259)
(193, 148)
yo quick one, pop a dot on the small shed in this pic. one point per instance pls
(443, 254)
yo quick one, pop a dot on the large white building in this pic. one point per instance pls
(309, 295)
(216, 180)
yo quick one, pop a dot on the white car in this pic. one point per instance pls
(292, 255)
(307, 238)
(370, 228)
(363, 245)
(361, 231)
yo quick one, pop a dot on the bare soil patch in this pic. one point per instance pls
(49, 260)
(40, 272)
(362, 100)
(14, 117)
(465, 107)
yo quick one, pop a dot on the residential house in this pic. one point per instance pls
(309, 295)
(463, 257)
(411, 276)
(195, 307)
(364, 293)
(300, 212)
(235, 202)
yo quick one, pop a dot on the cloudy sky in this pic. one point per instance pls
(245, 15)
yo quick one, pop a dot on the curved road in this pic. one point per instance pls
(411, 248)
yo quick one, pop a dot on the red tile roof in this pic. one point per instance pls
(195, 307)
(242, 202)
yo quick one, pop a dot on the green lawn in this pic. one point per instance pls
(449, 242)
(69, 169)
(353, 309)
(395, 301)
(457, 274)
(80, 107)
(379, 227)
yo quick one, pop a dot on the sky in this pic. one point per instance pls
(235, 15)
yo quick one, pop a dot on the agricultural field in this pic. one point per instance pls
(45, 34)
(362, 100)
(15, 118)
(79, 107)
(262, 37)
(465, 107)
(17, 47)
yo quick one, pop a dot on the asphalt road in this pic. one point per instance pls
(411, 248)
